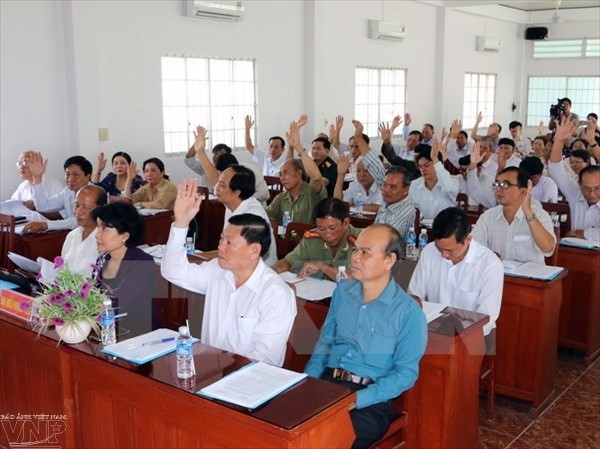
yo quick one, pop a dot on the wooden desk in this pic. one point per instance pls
(210, 220)
(579, 323)
(526, 337)
(443, 405)
(157, 227)
(109, 404)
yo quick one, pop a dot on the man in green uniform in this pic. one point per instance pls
(325, 248)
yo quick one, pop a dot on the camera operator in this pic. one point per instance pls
(562, 109)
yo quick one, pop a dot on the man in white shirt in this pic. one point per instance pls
(271, 165)
(248, 309)
(458, 145)
(474, 183)
(192, 162)
(544, 188)
(522, 144)
(488, 165)
(411, 139)
(505, 156)
(80, 250)
(435, 190)
(78, 171)
(583, 196)
(493, 131)
(25, 190)
(457, 271)
(518, 228)
(363, 188)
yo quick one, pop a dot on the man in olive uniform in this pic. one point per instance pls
(325, 248)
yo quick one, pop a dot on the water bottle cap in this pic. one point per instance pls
(183, 330)
(411, 228)
(188, 239)
(107, 302)
(342, 268)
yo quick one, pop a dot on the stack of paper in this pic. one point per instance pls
(579, 243)
(432, 310)
(309, 288)
(531, 270)
(145, 348)
(252, 385)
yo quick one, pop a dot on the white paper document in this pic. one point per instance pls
(149, 212)
(364, 212)
(308, 288)
(531, 270)
(432, 310)
(156, 251)
(579, 243)
(24, 263)
(146, 347)
(252, 385)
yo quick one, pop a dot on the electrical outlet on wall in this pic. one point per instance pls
(102, 134)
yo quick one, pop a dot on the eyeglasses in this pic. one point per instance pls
(503, 185)
(20, 164)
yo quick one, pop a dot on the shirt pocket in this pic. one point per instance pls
(466, 299)
(241, 336)
(379, 349)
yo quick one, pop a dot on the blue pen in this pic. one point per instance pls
(157, 342)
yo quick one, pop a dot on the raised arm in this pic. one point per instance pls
(101, 165)
(293, 138)
(474, 135)
(131, 174)
(343, 163)
(248, 124)
(543, 239)
(211, 173)
(563, 132)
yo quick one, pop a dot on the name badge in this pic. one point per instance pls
(16, 304)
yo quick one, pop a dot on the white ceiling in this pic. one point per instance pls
(524, 5)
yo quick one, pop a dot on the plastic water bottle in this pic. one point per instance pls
(555, 219)
(423, 240)
(108, 333)
(341, 275)
(411, 244)
(287, 219)
(189, 245)
(359, 201)
(184, 354)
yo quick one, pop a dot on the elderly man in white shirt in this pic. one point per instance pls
(505, 155)
(80, 250)
(518, 228)
(78, 171)
(364, 187)
(271, 163)
(248, 309)
(24, 191)
(583, 196)
(457, 271)
(435, 190)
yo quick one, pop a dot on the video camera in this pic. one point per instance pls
(556, 110)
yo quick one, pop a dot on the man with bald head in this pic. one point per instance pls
(25, 190)
(80, 250)
(374, 335)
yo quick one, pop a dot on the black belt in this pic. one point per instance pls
(347, 376)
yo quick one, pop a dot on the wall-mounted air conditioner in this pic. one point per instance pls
(229, 10)
(489, 44)
(386, 31)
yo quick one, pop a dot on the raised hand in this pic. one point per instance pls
(248, 122)
(396, 123)
(293, 136)
(407, 119)
(385, 132)
(444, 149)
(200, 136)
(479, 118)
(358, 128)
(339, 122)
(332, 132)
(343, 163)
(303, 120)
(563, 129)
(501, 158)
(444, 133)
(37, 165)
(456, 128)
(187, 203)
(476, 156)
(101, 162)
(435, 149)
(541, 128)
(132, 170)
(526, 203)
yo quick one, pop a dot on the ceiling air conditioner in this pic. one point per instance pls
(489, 44)
(228, 10)
(386, 31)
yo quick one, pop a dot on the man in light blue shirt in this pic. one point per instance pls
(374, 335)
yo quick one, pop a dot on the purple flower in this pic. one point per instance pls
(85, 290)
(56, 298)
(68, 293)
(57, 321)
(58, 262)
(24, 306)
(68, 307)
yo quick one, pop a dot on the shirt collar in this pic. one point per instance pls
(386, 297)
(254, 281)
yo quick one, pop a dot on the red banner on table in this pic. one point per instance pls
(16, 304)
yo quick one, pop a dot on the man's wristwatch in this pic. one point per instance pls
(531, 219)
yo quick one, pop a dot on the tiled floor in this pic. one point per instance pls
(572, 421)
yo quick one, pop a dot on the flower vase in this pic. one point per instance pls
(74, 331)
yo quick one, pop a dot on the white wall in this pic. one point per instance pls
(71, 67)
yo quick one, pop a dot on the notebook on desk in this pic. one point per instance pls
(530, 270)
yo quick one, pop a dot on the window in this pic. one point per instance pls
(543, 92)
(380, 95)
(214, 93)
(568, 48)
(480, 96)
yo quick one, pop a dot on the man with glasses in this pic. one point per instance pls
(583, 196)
(78, 171)
(518, 228)
(25, 190)
(323, 249)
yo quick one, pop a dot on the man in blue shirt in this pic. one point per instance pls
(374, 335)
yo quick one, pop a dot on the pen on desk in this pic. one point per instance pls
(121, 315)
(157, 342)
